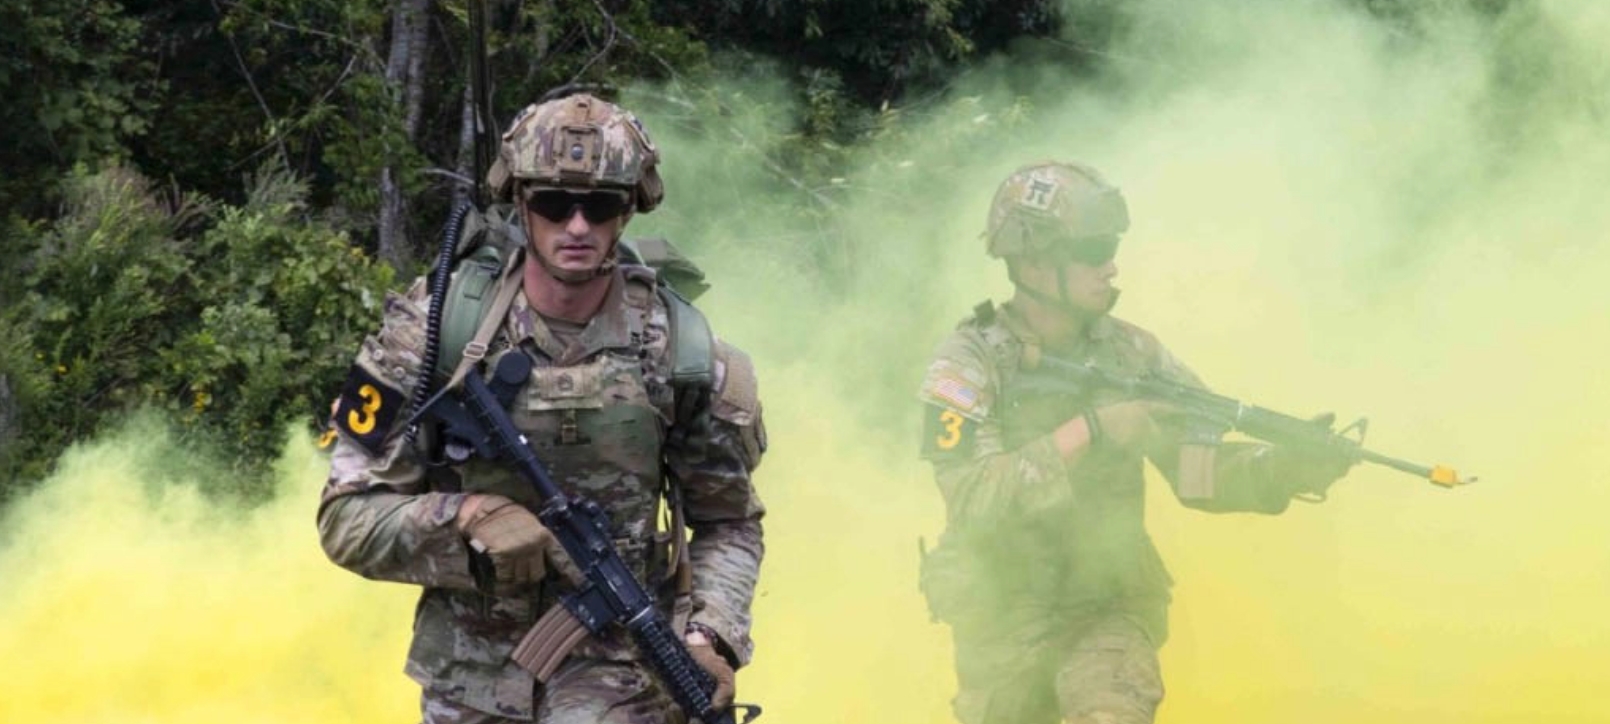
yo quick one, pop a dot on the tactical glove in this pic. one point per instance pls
(1312, 473)
(704, 653)
(509, 536)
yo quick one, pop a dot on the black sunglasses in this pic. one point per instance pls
(1089, 250)
(596, 206)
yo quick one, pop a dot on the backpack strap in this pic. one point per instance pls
(692, 350)
(692, 343)
(482, 313)
(490, 251)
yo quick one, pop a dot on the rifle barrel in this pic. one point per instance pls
(1438, 474)
(1259, 422)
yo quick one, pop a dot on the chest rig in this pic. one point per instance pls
(1096, 547)
(598, 424)
(1034, 401)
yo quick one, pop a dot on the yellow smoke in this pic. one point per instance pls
(1329, 213)
(128, 597)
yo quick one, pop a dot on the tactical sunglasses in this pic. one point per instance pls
(1089, 250)
(596, 206)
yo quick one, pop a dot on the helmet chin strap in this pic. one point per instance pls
(1060, 301)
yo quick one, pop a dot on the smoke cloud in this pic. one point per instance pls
(1402, 220)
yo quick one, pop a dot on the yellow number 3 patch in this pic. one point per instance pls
(952, 434)
(947, 432)
(367, 409)
(362, 420)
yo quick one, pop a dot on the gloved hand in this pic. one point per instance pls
(516, 543)
(1314, 472)
(1129, 425)
(703, 651)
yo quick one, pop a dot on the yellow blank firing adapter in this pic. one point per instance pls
(1447, 478)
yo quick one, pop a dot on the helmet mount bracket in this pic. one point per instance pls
(576, 152)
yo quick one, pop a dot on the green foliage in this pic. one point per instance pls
(271, 348)
(75, 88)
(367, 139)
(99, 297)
(236, 330)
(881, 49)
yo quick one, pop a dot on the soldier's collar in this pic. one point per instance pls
(610, 327)
(1099, 329)
(1013, 320)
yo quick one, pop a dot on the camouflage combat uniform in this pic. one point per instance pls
(603, 415)
(1055, 594)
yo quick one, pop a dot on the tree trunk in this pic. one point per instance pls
(8, 421)
(418, 52)
(406, 79)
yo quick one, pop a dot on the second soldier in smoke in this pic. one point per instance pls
(624, 406)
(1055, 595)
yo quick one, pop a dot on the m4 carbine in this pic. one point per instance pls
(473, 415)
(1308, 436)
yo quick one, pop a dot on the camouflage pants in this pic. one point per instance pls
(1099, 670)
(582, 691)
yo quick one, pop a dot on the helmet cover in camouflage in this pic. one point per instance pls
(578, 142)
(1043, 203)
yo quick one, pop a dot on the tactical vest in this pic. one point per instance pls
(1098, 546)
(597, 426)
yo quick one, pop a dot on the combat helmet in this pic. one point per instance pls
(578, 142)
(1043, 204)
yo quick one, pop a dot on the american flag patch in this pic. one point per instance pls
(956, 392)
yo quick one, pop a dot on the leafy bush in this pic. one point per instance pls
(236, 320)
(76, 86)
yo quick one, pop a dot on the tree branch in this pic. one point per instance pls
(609, 42)
(240, 62)
(271, 22)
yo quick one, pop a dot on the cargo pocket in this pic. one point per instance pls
(1111, 676)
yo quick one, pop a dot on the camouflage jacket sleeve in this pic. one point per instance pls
(376, 517)
(1247, 476)
(982, 482)
(711, 459)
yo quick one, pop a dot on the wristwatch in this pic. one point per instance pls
(704, 631)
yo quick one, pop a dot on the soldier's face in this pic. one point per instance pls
(1089, 287)
(574, 231)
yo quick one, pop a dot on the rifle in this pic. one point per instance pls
(473, 418)
(1310, 436)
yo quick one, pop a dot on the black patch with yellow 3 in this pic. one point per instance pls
(946, 432)
(367, 409)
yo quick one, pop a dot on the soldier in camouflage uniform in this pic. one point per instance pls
(604, 413)
(1056, 596)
